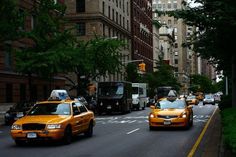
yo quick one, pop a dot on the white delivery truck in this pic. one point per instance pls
(139, 95)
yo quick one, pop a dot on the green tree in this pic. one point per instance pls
(132, 73)
(97, 57)
(11, 19)
(45, 57)
(200, 83)
(164, 76)
(213, 41)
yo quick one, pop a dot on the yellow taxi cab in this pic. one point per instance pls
(171, 112)
(58, 118)
(192, 100)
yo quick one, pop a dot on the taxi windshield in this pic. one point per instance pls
(191, 97)
(177, 104)
(51, 109)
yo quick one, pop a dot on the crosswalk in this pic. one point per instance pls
(141, 119)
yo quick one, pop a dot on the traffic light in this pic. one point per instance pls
(141, 66)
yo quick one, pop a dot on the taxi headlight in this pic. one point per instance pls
(53, 126)
(151, 115)
(16, 127)
(184, 115)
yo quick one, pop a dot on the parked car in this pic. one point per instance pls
(17, 111)
(209, 99)
(54, 119)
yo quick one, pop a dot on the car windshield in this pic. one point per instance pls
(191, 97)
(177, 104)
(51, 109)
(208, 96)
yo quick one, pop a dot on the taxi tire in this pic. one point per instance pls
(67, 139)
(89, 132)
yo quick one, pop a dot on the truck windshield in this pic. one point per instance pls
(134, 90)
(111, 90)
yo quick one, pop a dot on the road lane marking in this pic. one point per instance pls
(132, 131)
(194, 148)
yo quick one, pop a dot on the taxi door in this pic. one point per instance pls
(84, 115)
(77, 119)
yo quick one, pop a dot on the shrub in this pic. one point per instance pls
(229, 127)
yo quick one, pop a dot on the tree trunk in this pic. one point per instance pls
(234, 80)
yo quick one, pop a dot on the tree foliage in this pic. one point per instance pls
(47, 54)
(164, 76)
(10, 20)
(200, 83)
(132, 73)
(97, 57)
(215, 20)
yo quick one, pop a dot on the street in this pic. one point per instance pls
(118, 135)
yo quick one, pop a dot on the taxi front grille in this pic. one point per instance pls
(33, 126)
(167, 117)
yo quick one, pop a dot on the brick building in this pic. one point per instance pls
(141, 30)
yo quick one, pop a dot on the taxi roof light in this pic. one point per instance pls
(59, 94)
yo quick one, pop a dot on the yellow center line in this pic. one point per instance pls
(191, 153)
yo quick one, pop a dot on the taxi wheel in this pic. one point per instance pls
(89, 132)
(67, 135)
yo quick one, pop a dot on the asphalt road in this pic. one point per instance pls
(117, 135)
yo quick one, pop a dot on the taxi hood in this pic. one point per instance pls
(44, 119)
(169, 111)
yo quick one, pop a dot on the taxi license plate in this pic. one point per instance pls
(109, 107)
(31, 135)
(167, 122)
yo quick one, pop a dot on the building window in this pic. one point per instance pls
(8, 57)
(169, 5)
(103, 7)
(109, 11)
(116, 17)
(9, 92)
(33, 22)
(169, 22)
(175, 30)
(81, 29)
(176, 53)
(35, 92)
(175, 21)
(22, 17)
(176, 46)
(175, 5)
(176, 37)
(176, 61)
(80, 6)
(113, 14)
(45, 92)
(22, 92)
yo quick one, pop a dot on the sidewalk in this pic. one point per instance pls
(212, 143)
